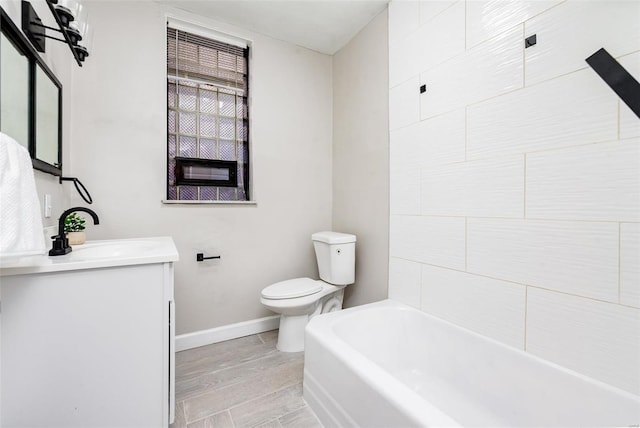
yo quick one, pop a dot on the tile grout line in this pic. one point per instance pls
(466, 245)
(526, 306)
(421, 287)
(619, 119)
(529, 219)
(512, 282)
(524, 189)
(233, 423)
(524, 57)
(265, 355)
(241, 403)
(200, 394)
(620, 263)
(264, 395)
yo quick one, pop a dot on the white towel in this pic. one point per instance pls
(20, 221)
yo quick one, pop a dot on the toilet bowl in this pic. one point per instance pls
(300, 299)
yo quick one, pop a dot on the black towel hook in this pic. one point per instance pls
(79, 185)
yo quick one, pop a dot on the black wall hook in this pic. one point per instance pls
(84, 193)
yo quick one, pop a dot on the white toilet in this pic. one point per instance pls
(298, 300)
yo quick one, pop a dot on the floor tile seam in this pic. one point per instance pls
(298, 409)
(266, 349)
(207, 391)
(264, 395)
(190, 378)
(287, 385)
(240, 381)
(276, 419)
(207, 417)
(255, 376)
(177, 408)
(199, 349)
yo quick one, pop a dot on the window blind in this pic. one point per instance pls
(199, 58)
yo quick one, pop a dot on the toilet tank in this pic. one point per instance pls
(336, 255)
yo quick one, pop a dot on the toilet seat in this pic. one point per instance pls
(292, 288)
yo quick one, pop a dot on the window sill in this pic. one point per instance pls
(167, 202)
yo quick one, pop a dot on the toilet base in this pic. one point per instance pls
(291, 332)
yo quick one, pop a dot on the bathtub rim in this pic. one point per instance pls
(321, 328)
(412, 405)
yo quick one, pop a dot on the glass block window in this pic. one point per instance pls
(207, 114)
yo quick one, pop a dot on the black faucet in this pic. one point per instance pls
(60, 242)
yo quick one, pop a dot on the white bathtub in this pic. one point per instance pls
(388, 365)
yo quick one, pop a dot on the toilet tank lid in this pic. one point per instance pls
(333, 237)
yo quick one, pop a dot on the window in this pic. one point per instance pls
(207, 119)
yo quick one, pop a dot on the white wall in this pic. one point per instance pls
(515, 185)
(60, 60)
(361, 156)
(119, 147)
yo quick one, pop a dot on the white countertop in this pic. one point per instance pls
(96, 254)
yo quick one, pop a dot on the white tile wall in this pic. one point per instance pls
(404, 185)
(486, 19)
(442, 138)
(572, 31)
(515, 187)
(629, 122)
(484, 188)
(441, 38)
(404, 17)
(403, 61)
(574, 109)
(578, 258)
(598, 339)
(431, 8)
(436, 141)
(431, 240)
(489, 69)
(485, 305)
(404, 104)
(404, 281)
(430, 142)
(630, 264)
(593, 182)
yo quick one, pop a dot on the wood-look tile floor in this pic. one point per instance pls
(242, 382)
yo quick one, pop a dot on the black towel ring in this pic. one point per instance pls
(79, 185)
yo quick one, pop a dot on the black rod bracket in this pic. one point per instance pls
(200, 257)
(617, 77)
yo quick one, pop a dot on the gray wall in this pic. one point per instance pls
(119, 146)
(361, 156)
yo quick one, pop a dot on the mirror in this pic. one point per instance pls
(30, 99)
(14, 97)
(47, 111)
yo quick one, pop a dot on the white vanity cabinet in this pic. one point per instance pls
(91, 344)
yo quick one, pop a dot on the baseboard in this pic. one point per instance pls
(226, 332)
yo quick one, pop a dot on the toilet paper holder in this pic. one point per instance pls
(200, 257)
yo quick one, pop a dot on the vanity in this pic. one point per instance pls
(87, 339)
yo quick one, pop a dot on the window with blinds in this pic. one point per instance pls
(208, 119)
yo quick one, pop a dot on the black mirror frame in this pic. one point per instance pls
(11, 31)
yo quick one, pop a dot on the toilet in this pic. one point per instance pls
(300, 299)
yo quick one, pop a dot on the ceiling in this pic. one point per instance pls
(323, 26)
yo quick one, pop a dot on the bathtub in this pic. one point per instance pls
(388, 365)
